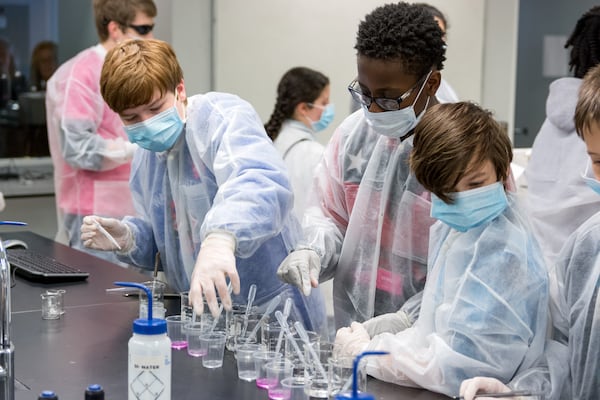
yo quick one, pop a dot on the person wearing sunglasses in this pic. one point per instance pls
(368, 226)
(90, 150)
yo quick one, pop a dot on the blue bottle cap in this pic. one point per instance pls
(354, 394)
(148, 326)
(47, 394)
(94, 388)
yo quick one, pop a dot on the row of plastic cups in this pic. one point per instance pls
(285, 378)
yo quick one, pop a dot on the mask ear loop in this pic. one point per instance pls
(184, 119)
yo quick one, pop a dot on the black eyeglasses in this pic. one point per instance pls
(384, 103)
(142, 29)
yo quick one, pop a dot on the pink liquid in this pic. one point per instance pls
(197, 353)
(179, 344)
(280, 394)
(266, 383)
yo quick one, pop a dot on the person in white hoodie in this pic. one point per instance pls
(557, 197)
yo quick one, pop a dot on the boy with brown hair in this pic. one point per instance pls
(484, 303)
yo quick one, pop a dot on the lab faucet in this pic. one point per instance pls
(7, 351)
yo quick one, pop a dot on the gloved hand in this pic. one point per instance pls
(470, 387)
(391, 322)
(301, 268)
(216, 261)
(93, 237)
(351, 341)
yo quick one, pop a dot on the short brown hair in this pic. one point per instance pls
(587, 110)
(135, 69)
(123, 12)
(452, 136)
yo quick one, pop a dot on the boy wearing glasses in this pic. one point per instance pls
(368, 227)
(89, 148)
(484, 306)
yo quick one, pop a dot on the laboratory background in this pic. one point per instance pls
(502, 54)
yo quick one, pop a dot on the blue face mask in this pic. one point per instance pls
(326, 117)
(590, 179)
(398, 123)
(471, 208)
(158, 133)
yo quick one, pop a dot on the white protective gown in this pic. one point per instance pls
(301, 153)
(570, 368)
(223, 174)
(557, 198)
(91, 153)
(369, 222)
(484, 309)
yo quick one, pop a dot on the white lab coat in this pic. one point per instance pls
(301, 154)
(558, 200)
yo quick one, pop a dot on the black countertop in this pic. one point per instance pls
(89, 343)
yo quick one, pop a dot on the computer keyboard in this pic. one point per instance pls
(42, 268)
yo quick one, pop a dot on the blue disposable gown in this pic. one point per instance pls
(223, 174)
(483, 311)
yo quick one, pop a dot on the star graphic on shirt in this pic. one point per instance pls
(356, 162)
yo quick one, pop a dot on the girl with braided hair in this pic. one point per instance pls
(302, 108)
(557, 198)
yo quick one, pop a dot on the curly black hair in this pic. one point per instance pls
(298, 85)
(403, 32)
(585, 40)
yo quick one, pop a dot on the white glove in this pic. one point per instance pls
(93, 237)
(391, 322)
(301, 268)
(216, 261)
(351, 341)
(470, 387)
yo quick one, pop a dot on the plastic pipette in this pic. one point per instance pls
(251, 295)
(304, 336)
(286, 329)
(270, 308)
(216, 319)
(105, 233)
(287, 308)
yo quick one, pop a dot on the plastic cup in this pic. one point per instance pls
(319, 378)
(245, 361)
(193, 331)
(277, 371)
(340, 375)
(158, 306)
(214, 342)
(50, 305)
(176, 331)
(261, 359)
(294, 388)
(240, 336)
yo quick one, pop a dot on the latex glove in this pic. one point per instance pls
(351, 341)
(392, 323)
(215, 262)
(470, 387)
(93, 237)
(301, 268)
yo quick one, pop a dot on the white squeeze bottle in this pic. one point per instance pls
(149, 371)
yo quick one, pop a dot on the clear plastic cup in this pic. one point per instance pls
(176, 331)
(193, 331)
(293, 388)
(340, 375)
(261, 359)
(315, 369)
(277, 371)
(214, 341)
(245, 361)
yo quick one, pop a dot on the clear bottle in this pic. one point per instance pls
(149, 369)
(94, 392)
